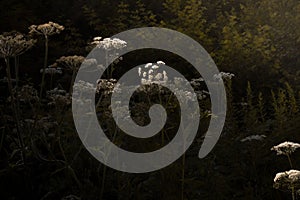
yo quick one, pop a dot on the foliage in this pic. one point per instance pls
(41, 156)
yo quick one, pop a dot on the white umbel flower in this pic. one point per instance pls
(253, 137)
(160, 63)
(286, 148)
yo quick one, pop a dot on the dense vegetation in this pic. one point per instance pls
(41, 156)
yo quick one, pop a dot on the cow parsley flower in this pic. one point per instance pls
(14, 44)
(52, 70)
(107, 86)
(253, 137)
(153, 73)
(224, 76)
(148, 65)
(286, 148)
(155, 67)
(84, 87)
(58, 97)
(109, 44)
(160, 63)
(96, 40)
(28, 94)
(287, 179)
(46, 29)
(71, 62)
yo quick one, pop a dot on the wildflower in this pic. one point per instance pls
(84, 87)
(71, 62)
(286, 148)
(188, 96)
(90, 62)
(150, 77)
(153, 74)
(155, 67)
(287, 179)
(47, 29)
(178, 81)
(109, 44)
(107, 86)
(253, 137)
(52, 70)
(45, 124)
(148, 65)
(160, 63)
(14, 44)
(58, 97)
(224, 76)
(96, 40)
(158, 77)
(201, 94)
(196, 82)
(144, 81)
(28, 94)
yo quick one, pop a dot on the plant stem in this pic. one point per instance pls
(293, 193)
(182, 177)
(17, 71)
(17, 83)
(14, 108)
(45, 65)
(72, 81)
(103, 182)
(290, 161)
(51, 81)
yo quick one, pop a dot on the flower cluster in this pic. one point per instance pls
(150, 73)
(71, 62)
(58, 97)
(224, 76)
(187, 95)
(96, 40)
(84, 87)
(287, 179)
(90, 62)
(45, 124)
(28, 94)
(52, 69)
(47, 29)
(253, 137)
(14, 44)
(196, 82)
(108, 43)
(106, 86)
(286, 148)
